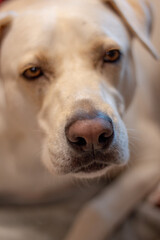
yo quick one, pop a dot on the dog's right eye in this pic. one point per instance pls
(32, 73)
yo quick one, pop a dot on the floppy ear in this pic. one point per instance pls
(137, 15)
(5, 20)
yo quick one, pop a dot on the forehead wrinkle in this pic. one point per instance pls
(42, 57)
(98, 48)
(103, 42)
(51, 63)
(39, 58)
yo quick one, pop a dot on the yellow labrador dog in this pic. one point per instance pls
(67, 77)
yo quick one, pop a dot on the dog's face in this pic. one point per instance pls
(72, 62)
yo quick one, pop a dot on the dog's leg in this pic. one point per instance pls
(99, 218)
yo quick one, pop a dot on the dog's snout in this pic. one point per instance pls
(90, 134)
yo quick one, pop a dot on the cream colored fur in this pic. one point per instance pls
(65, 38)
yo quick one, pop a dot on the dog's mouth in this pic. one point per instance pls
(87, 163)
(91, 163)
(92, 167)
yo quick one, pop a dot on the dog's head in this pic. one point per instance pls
(71, 61)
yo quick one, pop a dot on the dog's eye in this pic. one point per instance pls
(112, 56)
(32, 73)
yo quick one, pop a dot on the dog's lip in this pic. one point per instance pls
(92, 167)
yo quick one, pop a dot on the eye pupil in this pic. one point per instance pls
(112, 53)
(112, 56)
(33, 69)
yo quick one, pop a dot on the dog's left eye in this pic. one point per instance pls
(112, 56)
(32, 73)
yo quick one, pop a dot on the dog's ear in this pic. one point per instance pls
(5, 19)
(137, 15)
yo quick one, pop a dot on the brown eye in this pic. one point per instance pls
(32, 73)
(112, 56)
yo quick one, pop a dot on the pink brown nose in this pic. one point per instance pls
(90, 134)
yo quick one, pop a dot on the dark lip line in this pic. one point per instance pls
(90, 164)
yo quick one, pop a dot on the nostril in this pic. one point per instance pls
(79, 141)
(104, 138)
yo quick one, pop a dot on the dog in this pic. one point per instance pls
(67, 78)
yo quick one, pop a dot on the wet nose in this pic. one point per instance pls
(90, 134)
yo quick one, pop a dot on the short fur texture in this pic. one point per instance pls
(67, 39)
